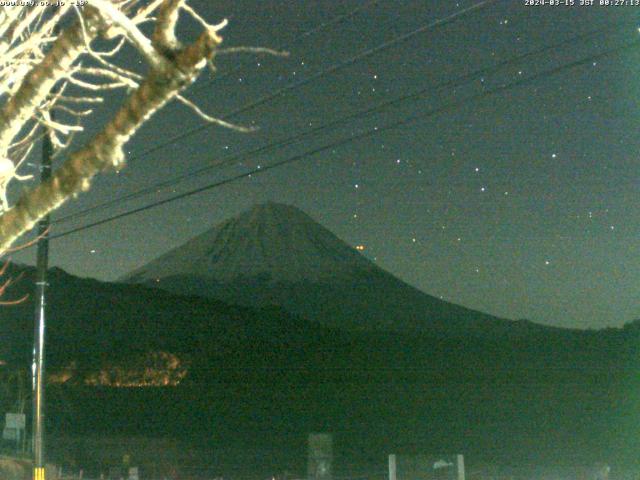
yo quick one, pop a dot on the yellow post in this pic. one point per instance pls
(38, 473)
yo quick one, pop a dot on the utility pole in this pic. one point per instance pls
(39, 323)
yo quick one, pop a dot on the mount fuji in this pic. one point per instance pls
(275, 254)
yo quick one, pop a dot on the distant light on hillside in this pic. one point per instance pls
(154, 369)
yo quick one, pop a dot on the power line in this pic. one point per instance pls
(334, 68)
(362, 135)
(458, 81)
(286, 46)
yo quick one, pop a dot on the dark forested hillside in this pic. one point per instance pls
(253, 375)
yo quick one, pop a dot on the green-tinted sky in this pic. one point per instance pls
(523, 204)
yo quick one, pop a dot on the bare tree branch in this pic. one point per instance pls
(105, 151)
(164, 37)
(43, 71)
(36, 86)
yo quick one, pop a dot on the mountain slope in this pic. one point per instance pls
(275, 254)
(92, 323)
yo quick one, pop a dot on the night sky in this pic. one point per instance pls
(522, 204)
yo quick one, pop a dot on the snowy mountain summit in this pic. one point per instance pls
(272, 241)
(275, 254)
